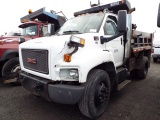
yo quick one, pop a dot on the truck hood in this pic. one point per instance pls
(52, 40)
(13, 39)
(59, 43)
(58, 40)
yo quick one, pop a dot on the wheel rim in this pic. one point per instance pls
(15, 70)
(101, 94)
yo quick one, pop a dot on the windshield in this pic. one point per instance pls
(30, 31)
(89, 23)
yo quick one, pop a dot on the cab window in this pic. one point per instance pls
(110, 27)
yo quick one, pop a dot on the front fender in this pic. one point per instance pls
(9, 54)
(88, 60)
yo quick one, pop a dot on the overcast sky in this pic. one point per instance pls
(11, 11)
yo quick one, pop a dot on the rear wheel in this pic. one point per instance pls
(133, 73)
(96, 95)
(142, 73)
(11, 68)
(155, 59)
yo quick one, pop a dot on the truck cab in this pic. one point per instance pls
(87, 58)
(33, 29)
(36, 24)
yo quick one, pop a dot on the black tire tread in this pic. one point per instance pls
(82, 103)
(8, 64)
(83, 108)
(140, 72)
(133, 73)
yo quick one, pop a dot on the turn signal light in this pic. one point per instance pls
(1, 42)
(82, 41)
(67, 58)
(25, 21)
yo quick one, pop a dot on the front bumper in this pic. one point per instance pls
(60, 93)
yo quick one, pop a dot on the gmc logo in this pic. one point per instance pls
(30, 60)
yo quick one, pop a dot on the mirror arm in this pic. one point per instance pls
(104, 40)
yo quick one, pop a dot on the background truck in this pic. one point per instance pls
(87, 58)
(34, 25)
(158, 17)
(9, 34)
(156, 45)
(156, 50)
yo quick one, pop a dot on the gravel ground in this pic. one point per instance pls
(138, 100)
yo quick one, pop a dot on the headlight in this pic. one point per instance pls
(77, 41)
(69, 74)
(73, 73)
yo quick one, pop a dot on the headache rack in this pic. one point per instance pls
(113, 7)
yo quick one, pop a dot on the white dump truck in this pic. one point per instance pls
(87, 58)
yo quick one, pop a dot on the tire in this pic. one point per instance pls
(11, 66)
(96, 95)
(133, 73)
(142, 73)
(155, 59)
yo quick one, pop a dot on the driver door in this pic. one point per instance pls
(116, 46)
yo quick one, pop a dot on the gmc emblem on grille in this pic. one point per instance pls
(30, 60)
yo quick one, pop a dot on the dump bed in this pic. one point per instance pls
(45, 16)
(141, 41)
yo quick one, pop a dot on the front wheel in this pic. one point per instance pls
(96, 95)
(11, 68)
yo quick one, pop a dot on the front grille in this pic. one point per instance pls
(36, 60)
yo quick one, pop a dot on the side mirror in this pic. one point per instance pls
(21, 40)
(122, 21)
(51, 29)
(158, 17)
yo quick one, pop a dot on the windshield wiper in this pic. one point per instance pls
(72, 31)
